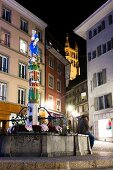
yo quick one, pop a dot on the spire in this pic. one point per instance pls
(76, 47)
(67, 41)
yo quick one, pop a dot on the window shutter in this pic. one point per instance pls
(94, 80)
(110, 99)
(96, 103)
(104, 75)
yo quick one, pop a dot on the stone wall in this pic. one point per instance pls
(49, 145)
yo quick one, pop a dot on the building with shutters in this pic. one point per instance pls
(97, 30)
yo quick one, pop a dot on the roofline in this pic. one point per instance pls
(59, 56)
(25, 12)
(93, 19)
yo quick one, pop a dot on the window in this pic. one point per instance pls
(40, 35)
(104, 48)
(3, 88)
(94, 32)
(108, 100)
(5, 37)
(99, 50)
(6, 14)
(51, 62)
(110, 19)
(83, 96)
(21, 96)
(90, 34)
(108, 45)
(24, 25)
(58, 85)
(58, 105)
(3, 63)
(22, 70)
(59, 68)
(112, 42)
(99, 78)
(23, 46)
(103, 25)
(51, 81)
(89, 56)
(50, 102)
(99, 28)
(94, 54)
(103, 102)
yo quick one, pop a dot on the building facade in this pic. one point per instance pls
(76, 101)
(16, 25)
(72, 56)
(97, 30)
(57, 68)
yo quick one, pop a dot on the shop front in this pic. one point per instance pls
(103, 127)
(6, 109)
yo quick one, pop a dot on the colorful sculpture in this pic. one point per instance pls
(34, 80)
(33, 45)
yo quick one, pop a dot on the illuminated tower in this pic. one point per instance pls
(34, 78)
(72, 56)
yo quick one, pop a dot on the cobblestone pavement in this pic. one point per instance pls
(103, 148)
(102, 157)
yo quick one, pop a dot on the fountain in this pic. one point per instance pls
(31, 133)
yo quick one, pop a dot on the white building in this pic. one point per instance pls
(97, 30)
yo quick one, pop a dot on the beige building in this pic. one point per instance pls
(16, 24)
(76, 101)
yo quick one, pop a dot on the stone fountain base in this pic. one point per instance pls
(48, 145)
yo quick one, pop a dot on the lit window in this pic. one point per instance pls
(83, 96)
(50, 102)
(23, 46)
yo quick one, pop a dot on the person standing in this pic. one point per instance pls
(83, 128)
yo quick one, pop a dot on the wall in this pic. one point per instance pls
(48, 145)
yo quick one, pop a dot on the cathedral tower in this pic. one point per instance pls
(72, 56)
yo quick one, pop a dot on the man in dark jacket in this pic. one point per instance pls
(83, 128)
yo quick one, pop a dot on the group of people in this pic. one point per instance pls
(83, 128)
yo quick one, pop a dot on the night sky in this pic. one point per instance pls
(63, 18)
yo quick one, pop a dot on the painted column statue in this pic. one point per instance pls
(34, 80)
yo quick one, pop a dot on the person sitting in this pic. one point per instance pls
(83, 128)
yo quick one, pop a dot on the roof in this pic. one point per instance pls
(59, 56)
(99, 14)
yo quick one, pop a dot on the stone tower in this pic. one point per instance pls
(72, 56)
